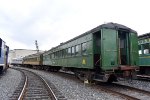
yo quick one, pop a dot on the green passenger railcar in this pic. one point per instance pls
(105, 52)
(144, 53)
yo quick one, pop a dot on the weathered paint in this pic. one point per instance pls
(134, 61)
(109, 53)
(144, 60)
(109, 49)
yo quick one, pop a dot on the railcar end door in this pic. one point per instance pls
(109, 49)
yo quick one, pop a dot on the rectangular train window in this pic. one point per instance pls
(60, 53)
(146, 48)
(66, 52)
(72, 51)
(50, 56)
(77, 49)
(69, 51)
(84, 48)
(57, 53)
(140, 51)
(53, 55)
(63, 53)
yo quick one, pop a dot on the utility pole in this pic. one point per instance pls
(37, 47)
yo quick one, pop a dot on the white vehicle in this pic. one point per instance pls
(16, 61)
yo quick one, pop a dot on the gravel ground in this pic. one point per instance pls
(73, 90)
(137, 84)
(8, 83)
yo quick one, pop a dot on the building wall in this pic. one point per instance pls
(19, 53)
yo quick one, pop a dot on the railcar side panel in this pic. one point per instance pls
(76, 53)
(144, 60)
(134, 50)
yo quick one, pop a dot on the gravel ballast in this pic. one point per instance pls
(73, 90)
(137, 84)
(70, 88)
(8, 83)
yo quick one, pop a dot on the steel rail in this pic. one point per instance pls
(49, 88)
(133, 88)
(118, 93)
(23, 90)
(103, 88)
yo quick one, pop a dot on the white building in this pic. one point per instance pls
(19, 53)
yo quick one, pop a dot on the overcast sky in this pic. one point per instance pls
(51, 22)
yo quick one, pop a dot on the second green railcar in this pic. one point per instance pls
(144, 54)
(104, 53)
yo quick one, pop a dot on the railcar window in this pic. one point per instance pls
(88, 47)
(140, 51)
(77, 50)
(63, 53)
(37, 59)
(66, 52)
(60, 54)
(146, 48)
(50, 56)
(84, 48)
(46, 57)
(53, 55)
(43, 58)
(57, 53)
(69, 51)
(72, 51)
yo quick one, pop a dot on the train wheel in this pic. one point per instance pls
(86, 77)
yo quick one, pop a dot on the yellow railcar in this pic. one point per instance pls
(33, 60)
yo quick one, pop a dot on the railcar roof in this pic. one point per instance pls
(110, 25)
(116, 26)
(144, 36)
(107, 26)
(34, 55)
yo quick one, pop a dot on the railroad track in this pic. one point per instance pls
(127, 92)
(34, 87)
(144, 77)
